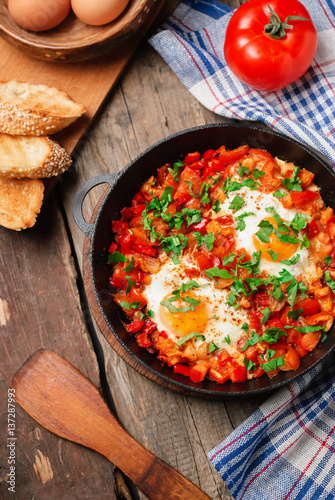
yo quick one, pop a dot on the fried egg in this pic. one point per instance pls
(210, 315)
(255, 205)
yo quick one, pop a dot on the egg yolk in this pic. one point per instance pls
(194, 319)
(284, 250)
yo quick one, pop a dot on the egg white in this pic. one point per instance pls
(224, 322)
(256, 202)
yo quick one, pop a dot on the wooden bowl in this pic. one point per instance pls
(73, 40)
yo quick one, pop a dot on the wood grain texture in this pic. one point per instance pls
(39, 294)
(61, 399)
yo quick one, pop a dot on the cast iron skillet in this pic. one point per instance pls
(125, 185)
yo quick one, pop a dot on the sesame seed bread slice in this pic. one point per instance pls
(32, 157)
(20, 202)
(32, 109)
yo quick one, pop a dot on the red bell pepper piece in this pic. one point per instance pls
(331, 228)
(125, 243)
(209, 154)
(198, 371)
(201, 226)
(119, 227)
(146, 249)
(143, 340)
(149, 327)
(310, 307)
(135, 326)
(226, 157)
(113, 247)
(192, 157)
(182, 369)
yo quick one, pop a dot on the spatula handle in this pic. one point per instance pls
(61, 399)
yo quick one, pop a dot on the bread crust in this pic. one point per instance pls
(30, 109)
(20, 202)
(32, 157)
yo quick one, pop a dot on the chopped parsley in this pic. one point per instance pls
(330, 282)
(190, 336)
(241, 222)
(116, 257)
(212, 347)
(328, 259)
(294, 183)
(274, 256)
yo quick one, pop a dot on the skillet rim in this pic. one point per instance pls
(182, 387)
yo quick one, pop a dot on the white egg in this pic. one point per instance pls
(255, 203)
(213, 317)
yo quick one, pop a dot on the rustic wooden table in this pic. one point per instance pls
(43, 304)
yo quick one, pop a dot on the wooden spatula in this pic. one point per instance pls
(61, 399)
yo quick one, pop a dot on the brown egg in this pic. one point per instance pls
(38, 15)
(98, 12)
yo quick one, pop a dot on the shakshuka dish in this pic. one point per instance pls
(223, 265)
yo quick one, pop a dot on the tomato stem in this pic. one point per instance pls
(276, 28)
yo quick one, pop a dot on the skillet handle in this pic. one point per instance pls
(86, 227)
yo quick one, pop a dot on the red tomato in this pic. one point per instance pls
(300, 197)
(265, 59)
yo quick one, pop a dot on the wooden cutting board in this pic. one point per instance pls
(87, 82)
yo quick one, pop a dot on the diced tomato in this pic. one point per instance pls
(229, 242)
(258, 372)
(274, 323)
(260, 154)
(300, 350)
(135, 326)
(261, 299)
(291, 360)
(113, 247)
(135, 296)
(239, 374)
(301, 197)
(255, 320)
(203, 260)
(331, 228)
(226, 157)
(310, 307)
(119, 227)
(251, 353)
(192, 157)
(223, 357)
(200, 226)
(312, 229)
(292, 335)
(198, 370)
(225, 220)
(310, 340)
(146, 249)
(143, 340)
(182, 369)
(221, 374)
(306, 177)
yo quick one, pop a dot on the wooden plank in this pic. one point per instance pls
(40, 307)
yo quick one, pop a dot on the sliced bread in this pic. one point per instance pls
(20, 202)
(32, 157)
(30, 109)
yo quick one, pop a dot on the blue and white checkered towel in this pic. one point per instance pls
(286, 449)
(191, 42)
